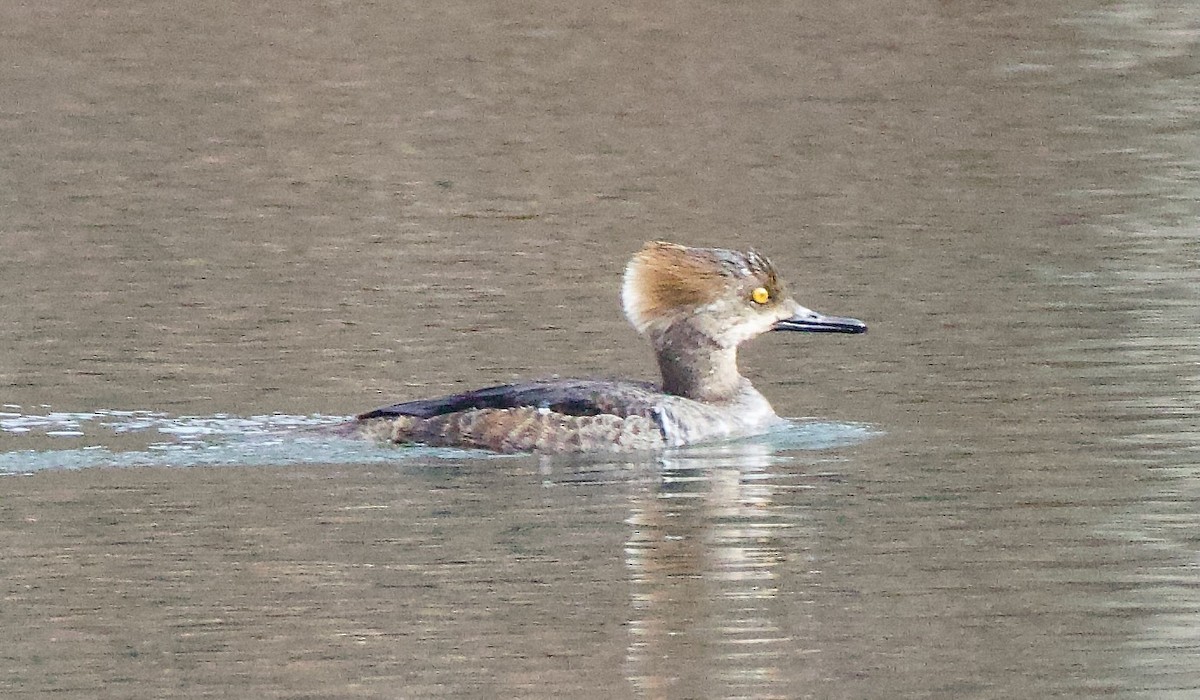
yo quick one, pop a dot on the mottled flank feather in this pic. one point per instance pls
(520, 430)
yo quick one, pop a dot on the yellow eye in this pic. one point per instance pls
(760, 295)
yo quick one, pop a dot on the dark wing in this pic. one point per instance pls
(570, 397)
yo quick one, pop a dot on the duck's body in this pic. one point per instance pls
(569, 415)
(696, 305)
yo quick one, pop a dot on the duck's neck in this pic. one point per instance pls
(696, 366)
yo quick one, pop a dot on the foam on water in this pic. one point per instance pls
(96, 439)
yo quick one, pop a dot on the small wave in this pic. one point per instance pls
(115, 438)
(182, 441)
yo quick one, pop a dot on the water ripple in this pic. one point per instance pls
(100, 439)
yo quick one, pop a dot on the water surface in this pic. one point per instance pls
(225, 226)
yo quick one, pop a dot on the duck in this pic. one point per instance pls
(696, 307)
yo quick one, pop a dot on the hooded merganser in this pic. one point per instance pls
(696, 306)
